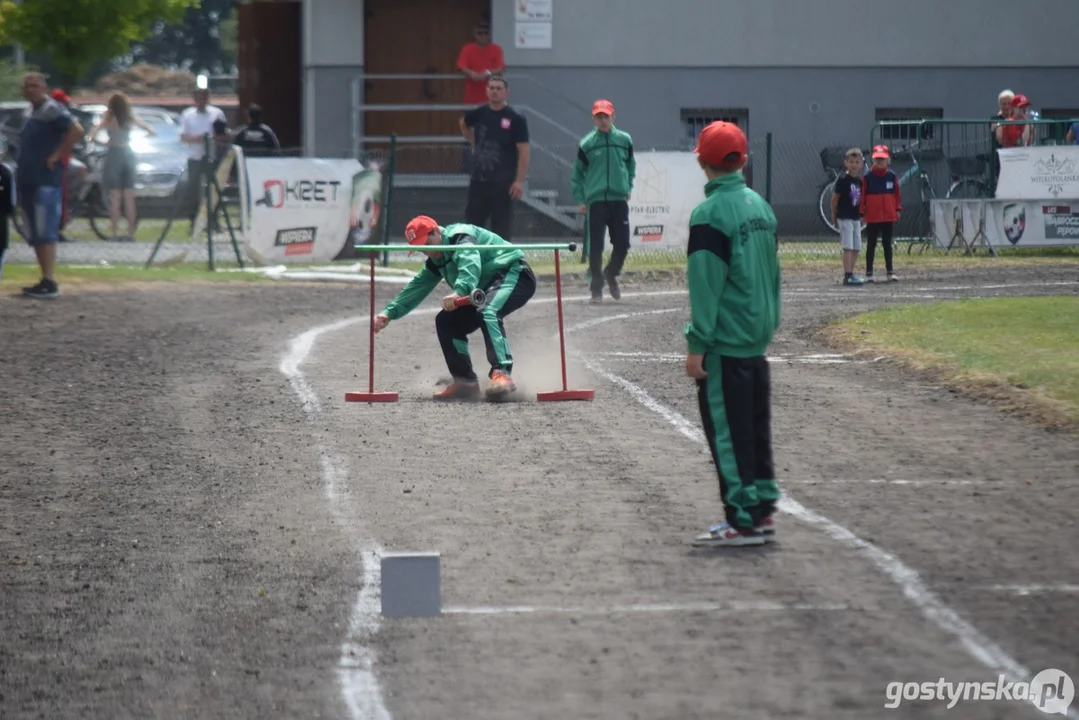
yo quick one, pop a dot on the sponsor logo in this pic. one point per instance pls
(296, 241)
(1054, 173)
(648, 233)
(278, 193)
(505, 123)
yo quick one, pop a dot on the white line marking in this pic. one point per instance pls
(914, 589)
(359, 685)
(1032, 589)
(355, 667)
(735, 606)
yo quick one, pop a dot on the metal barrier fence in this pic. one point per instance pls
(950, 158)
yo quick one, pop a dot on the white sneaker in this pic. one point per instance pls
(723, 535)
(892, 277)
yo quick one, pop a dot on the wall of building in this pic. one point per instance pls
(333, 56)
(781, 33)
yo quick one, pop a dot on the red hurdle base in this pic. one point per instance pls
(564, 394)
(561, 395)
(371, 397)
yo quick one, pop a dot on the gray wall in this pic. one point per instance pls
(800, 33)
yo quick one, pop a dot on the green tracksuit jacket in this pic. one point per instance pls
(463, 270)
(605, 167)
(732, 271)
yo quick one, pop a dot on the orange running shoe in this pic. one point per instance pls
(501, 384)
(458, 389)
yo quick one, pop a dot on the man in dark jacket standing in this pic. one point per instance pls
(602, 182)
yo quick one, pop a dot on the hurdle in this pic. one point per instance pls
(475, 298)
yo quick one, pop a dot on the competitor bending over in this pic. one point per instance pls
(502, 274)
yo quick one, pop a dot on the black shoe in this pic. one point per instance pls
(612, 283)
(44, 290)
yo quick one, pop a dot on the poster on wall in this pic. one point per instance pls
(667, 186)
(305, 210)
(533, 36)
(534, 10)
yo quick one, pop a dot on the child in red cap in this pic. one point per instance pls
(881, 207)
(506, 279)
(733, 279)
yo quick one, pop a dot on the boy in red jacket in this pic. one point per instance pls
(881, 207)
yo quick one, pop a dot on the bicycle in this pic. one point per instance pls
(968, 181)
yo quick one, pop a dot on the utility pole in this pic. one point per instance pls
(20, 56)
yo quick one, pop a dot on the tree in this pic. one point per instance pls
(77, 33)
(197, 43)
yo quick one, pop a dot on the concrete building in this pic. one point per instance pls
(813, 74)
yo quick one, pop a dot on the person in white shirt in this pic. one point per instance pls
(195, 124)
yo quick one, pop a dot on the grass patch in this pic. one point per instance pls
(1021, 353)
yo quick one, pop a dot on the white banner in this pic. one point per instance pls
(305, 210)
(1039, 173)
(667, 187)
(1006, 223)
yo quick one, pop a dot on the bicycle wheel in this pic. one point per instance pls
(825, 206)
(968, 189)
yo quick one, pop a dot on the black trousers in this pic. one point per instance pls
(508, 291)
(607, 216)
(490, 206)
(882, 230)
(735, 403)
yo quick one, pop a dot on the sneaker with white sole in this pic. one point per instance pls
(892, 277)
(767, 528)
(723, 535)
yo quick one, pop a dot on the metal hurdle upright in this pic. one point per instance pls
(371, 396)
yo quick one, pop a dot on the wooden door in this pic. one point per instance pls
(417, 37)
(270, 61)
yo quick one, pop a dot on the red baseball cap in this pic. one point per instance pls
(1020, 101)
(881, 151)
(718, 141)
(60, 96)
(418, 229)
(603, 106)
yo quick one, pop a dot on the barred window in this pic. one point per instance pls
(695, 119)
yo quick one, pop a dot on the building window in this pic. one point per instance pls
(902, 124)
(696, 119)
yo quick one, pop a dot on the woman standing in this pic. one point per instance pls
(118, 177)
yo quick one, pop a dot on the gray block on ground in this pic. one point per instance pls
(411, 584)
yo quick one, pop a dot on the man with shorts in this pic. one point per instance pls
(506, 279)
(734, 284)
(48, 135)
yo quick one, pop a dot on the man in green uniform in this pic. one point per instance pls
(602, 182)
(502, 274)
(734, 294)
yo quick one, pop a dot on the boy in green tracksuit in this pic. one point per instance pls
(503, 275)
(602, 181)
(734, 295)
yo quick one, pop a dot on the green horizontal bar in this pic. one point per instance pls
(454, 248)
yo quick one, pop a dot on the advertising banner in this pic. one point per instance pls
(307, 210)
(1039, 173)
(667, 187)
(1006, 223)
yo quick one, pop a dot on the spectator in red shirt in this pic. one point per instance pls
(1018, 135)
(480, 60)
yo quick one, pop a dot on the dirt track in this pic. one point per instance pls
(179, 537)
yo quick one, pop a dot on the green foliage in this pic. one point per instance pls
(11, 80)
(77, 33)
